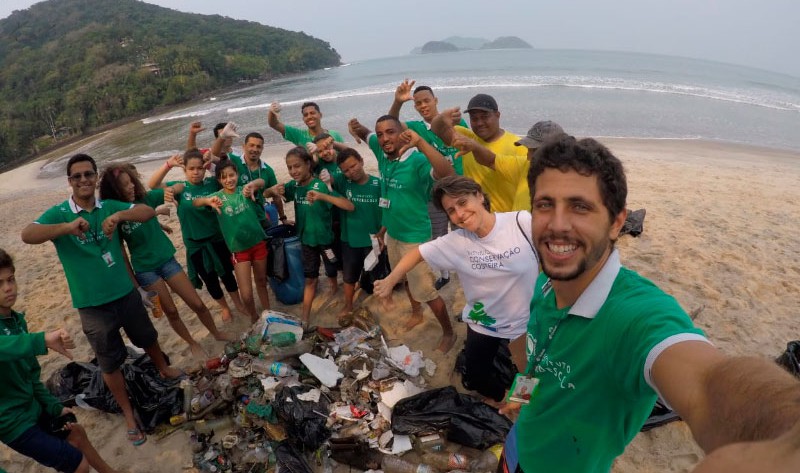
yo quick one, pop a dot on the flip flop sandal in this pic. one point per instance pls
(136, 437)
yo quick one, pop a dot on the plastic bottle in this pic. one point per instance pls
(201, 401)
(486, 461)
(188, 394)
(446, 461)
(207, 426)
(281, 369)
(282, 339)
(393, 464)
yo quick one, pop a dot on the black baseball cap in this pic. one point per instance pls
(482, 102)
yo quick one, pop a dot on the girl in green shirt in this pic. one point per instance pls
(208, 259)
(152, 254)
(312, 207)
(237, 213)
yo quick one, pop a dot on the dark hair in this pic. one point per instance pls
(193, 153)
(218, 127)
(389, 118)
(309, 104)
(221, 166)
(348, 153)
(80, 157)
(456, 186)
(6, 261)
(423, 88)
(255, 135)
(321, 137)
(301, 153)
(109, 183)
(587, 157)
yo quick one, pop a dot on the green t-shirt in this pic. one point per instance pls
(93, 279)
(332, 167)
(313, 220)
(238, 220)
(423, 129)
(406, 184)
(593, 396)
(366, 217)
(247, 175)
(197, 223)
(301, 137)
(23, 396)
(148, 246)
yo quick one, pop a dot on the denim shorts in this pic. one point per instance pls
(47, 449)
(165, 271)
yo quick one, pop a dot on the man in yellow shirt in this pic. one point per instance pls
(482, 142)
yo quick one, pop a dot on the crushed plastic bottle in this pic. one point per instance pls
(393, 464)
(281, 370)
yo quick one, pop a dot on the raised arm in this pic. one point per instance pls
(159, 174)
(441, 166)
(274, 118)
(229, 132)
(137, 213)
(442, 124)
(726, 400)
(465, 145)
(384, 287)
(194, 129)
(401, 95)
(357, 130)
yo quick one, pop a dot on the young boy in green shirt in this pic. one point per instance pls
(28, 407)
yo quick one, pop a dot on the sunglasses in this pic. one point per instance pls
(86, 175)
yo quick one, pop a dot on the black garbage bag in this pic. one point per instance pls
(790, 358)
(660, 415)
(153, 398)
(464, 418)
(380, 271)
(291, 460)
(503, 368)
(303, 424)
(277, 266)
(634, 223)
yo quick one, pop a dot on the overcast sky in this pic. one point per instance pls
(761, 33)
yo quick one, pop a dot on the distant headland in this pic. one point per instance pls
(458, 43)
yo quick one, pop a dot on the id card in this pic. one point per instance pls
(108, 259)
(523, 389)
(384, 203)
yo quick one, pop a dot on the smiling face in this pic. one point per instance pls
(229, 179)
(8, 290)
(426, 105)
(571, 227)
(83, 180)
(299, 169)
(388, 133)
(252, 150)
(485, 124)
(126, 186)
(467, 211)
(311, 116)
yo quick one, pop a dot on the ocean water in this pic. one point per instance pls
(600, 94)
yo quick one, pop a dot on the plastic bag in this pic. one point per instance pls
(153, 398)
(285, 264)
(634, 223)
(304, 420)
(380, 271)
(790, 358)
(290, 460)
(465, 419)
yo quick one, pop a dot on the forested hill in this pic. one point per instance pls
(67, 66)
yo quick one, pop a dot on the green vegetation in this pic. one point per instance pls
(67, 66)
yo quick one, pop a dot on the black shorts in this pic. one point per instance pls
(311, 257)
(47, 449)
(353, 262)
(102, 323)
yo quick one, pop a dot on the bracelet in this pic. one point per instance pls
(167, 165)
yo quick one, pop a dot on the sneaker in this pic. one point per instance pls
(440, 283)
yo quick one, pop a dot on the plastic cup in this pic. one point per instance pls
(156, 309)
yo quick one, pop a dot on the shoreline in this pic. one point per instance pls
(720, 236)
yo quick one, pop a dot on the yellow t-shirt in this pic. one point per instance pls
(500, 184)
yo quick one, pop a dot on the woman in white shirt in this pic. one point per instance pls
(497, 266)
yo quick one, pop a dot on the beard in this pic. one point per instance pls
(588, 261)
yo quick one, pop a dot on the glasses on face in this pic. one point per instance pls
(85, 174)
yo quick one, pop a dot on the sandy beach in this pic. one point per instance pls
(721, 235)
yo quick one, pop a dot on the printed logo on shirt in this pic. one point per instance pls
(479, 316)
